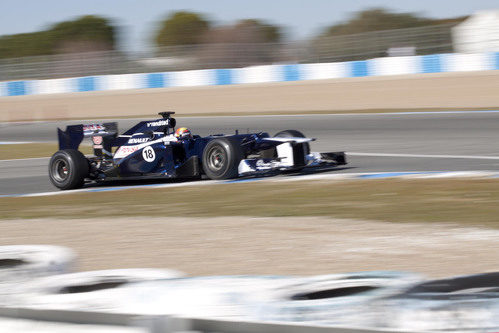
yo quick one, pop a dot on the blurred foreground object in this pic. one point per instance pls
(20, 264)
(468, 303)
(393, 301)
(335, 299)
(92, 290)
(142, 292)
(27, 261)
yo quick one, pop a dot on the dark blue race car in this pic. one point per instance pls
(154, 149)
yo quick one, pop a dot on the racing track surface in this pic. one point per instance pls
(454, 141)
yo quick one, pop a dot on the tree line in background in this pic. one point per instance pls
(185, 28)
(378, 19)
(87, 33)
(94, 33)
(373, 33)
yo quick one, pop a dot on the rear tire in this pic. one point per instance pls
(221, 158)
(68, 169)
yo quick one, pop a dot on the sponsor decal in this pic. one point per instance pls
(138, 140)
(124, 151)
(97, 139)
(93, 128)
(261, 164)
(158, 123)
(148, 154)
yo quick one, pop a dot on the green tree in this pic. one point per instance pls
(246, 42)
(265, 32)
(87, 33)
(182, 28)
(86, 29)
(376, 19)
(24, 45)
(371, 33)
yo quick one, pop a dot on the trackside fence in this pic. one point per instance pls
(435, 63)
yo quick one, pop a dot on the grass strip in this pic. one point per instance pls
(465, 201)
(33, 150)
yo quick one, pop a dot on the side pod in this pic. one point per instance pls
(189, 169)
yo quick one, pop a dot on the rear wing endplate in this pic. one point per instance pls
(72, 137)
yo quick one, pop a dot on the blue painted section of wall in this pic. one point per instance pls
(292, 72)
(432, 63)
(392, 174)
(359, 68)
(16, 88)
(156, 80)
(86, 83)
(223, 76)
(496, 60)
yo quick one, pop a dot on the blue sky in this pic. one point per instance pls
(138, 19)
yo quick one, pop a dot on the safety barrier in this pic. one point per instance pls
(435, 63)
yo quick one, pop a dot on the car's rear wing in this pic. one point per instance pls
(72, 137)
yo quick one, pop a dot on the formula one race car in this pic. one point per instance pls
(154, 149)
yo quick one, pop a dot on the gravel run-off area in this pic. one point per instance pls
(269, 245)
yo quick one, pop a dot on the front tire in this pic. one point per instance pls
(299, 150)
(68, 169)
(221, 158)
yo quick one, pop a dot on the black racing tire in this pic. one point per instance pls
(68, 169)
(221, 158)
(301, 149)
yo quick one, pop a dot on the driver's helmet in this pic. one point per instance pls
(183, 133)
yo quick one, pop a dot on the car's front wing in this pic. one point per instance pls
(252, 166)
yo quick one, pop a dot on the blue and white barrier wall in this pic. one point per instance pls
(436, 63)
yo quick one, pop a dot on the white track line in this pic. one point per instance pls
(25, 159)
(471, 157)
(14, 142)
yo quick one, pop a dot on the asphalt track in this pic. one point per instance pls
(441, 141)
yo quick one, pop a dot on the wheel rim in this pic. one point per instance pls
(216, 158)
(60, 170)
